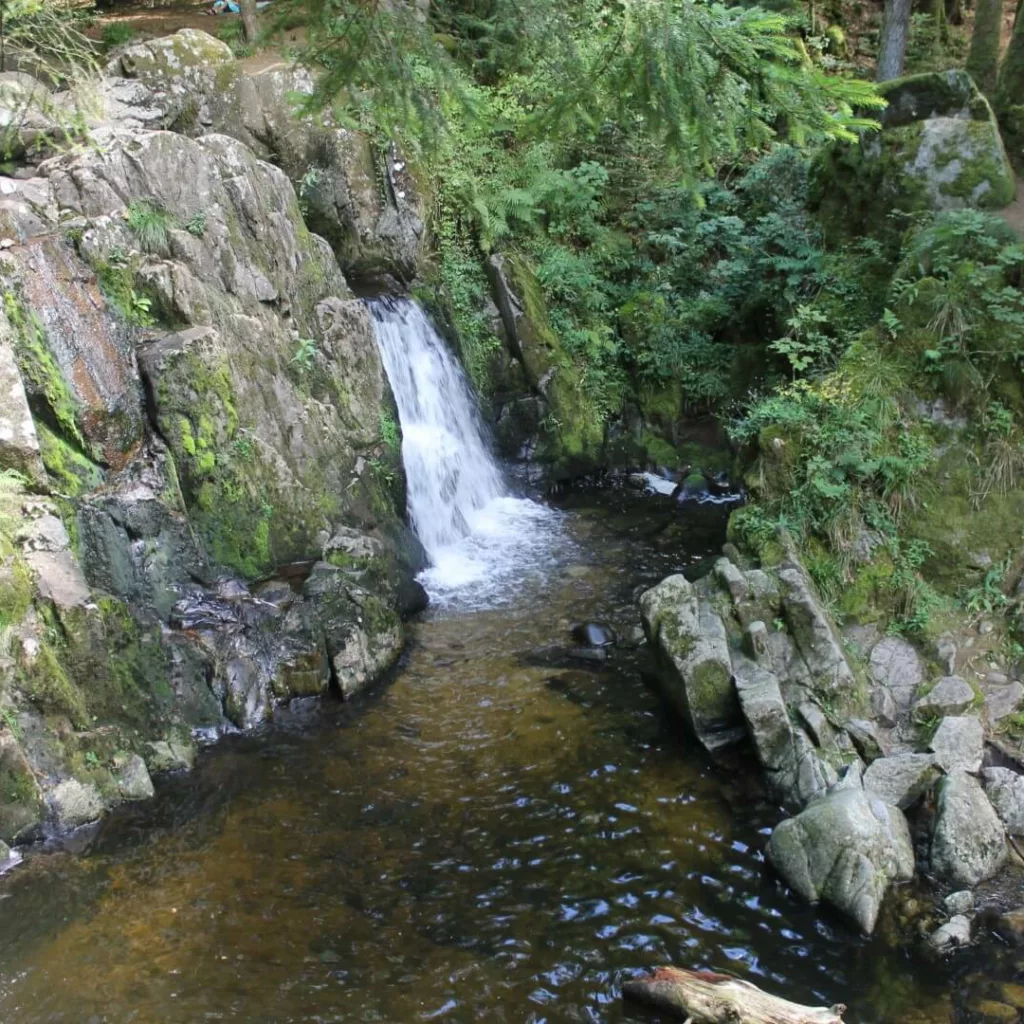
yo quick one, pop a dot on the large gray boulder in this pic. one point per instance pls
(1005, 791)
(959, 743)
(695, 669)
(968, 841)
(846, 847)
(894, 664)
(902, 779)
(940, 148)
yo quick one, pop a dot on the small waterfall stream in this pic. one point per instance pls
(476, 533)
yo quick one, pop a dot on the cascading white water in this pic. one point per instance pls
(474, 531)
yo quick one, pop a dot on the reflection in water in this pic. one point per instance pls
(487, 839)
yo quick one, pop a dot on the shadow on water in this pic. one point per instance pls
(485, 838)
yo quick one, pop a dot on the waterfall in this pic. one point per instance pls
(474, 531)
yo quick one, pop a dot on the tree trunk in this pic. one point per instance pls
(250, 24)
(983, 58)
(706, 998)
(1010, 91)
(893, 43)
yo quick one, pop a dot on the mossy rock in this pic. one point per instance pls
(940, 149)
(21, 803)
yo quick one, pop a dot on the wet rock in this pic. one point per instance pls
(1010, 926)
(277, 593)
(593, 634)
(902, 779)
(695, 668)
(21, 803)
(955, 933)
(895, 665)
(845, 848)
(961, 902)
(19, 442)
(170, 756)
(951, 695)
(1005, 791)
(865, 738)
(968, 841)
(991, 1011)
(133, 781)
(73, 803)
(959, 743)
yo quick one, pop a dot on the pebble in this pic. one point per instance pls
(961, 902)
(985, 628)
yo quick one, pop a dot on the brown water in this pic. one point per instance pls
(496, 835)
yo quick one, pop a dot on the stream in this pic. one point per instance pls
(500, 831)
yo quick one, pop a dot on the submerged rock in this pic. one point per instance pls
(846, 848)
(968, 841)
(593, 634)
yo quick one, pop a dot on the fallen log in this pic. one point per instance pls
(702, 997)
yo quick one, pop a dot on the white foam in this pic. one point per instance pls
(478, 536)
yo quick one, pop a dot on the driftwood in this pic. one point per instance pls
(702, 997)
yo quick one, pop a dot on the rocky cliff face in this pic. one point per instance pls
(199, 514)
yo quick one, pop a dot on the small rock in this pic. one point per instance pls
(945, 652)
(1005, 791)
(996, 678)
(1012, 994)
(989, 1011)
(593, 634)
(73, 803)
(959, 742)
(955, 933)
(968, 841)
(883, 706)
(276, 592)
(961, 902)
(984, 628)
(901, 780)
(951, 695)
(1011, 926)
(865, 739)
(133, 779)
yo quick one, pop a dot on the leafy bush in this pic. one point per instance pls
(117, 33)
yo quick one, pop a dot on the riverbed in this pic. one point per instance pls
(499, 832)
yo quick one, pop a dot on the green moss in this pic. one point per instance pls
(21, 804)
(868, 598)
(71, 471)
(45, 682)
(986, 167)
(43, 377)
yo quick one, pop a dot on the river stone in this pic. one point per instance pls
(695, 669)
(133, 781)
(951, 695)
(961, 902)
(1005, 791)
(959, 742)
(593, 634)
(956, 932)
(846, 848)
(901, 779)
(895, 665)
(968, 841)
(73, 803)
